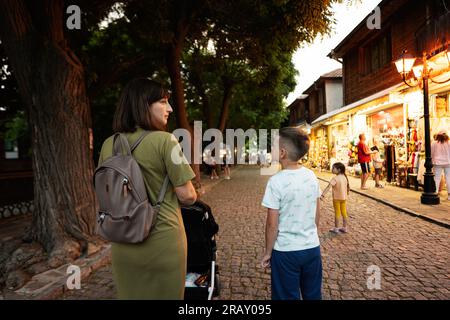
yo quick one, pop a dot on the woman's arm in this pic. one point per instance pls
(186, 193)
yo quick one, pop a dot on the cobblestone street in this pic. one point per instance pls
(412, 254)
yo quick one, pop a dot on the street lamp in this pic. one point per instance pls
(422, 72)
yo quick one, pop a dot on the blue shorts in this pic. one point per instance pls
(296, 274)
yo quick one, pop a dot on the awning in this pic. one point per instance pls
(355, 104)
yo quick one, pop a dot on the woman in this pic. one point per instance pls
(155, 268)
(440, 153)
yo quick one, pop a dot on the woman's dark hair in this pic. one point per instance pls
(340, 167)
(441, 137)
(297, 142)
(133, 107)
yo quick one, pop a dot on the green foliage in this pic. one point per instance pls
(15, 127)
(246, 43)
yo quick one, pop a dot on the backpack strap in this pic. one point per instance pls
(124, 142)
(163, 190)
(165, 184)
(136, 143)
(120, 143)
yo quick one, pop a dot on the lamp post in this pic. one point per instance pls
(422, 73)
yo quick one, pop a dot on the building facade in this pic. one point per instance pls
(377, 102)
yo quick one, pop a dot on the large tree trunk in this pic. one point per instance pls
(227, 95)
(51, 81)
(173, 58)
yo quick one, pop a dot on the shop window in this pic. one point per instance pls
(11, 149)
(442, 107)
(376, 55)
(440, 115)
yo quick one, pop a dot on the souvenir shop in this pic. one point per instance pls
(339, 140)
(387, 131)
(439, 120)
(318, 150)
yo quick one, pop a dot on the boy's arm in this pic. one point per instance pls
(271, 234)
(318, 213)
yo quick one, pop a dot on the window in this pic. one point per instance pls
(320, 94)
(441, 106)
(307, 113)
(376, 55)
(11, 150)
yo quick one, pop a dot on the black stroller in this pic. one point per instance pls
(202, 280)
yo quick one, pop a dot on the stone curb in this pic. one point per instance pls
(396, 207)
(51, 284)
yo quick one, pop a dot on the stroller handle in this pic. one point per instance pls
(211, 287)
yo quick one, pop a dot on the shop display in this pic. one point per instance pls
(339, 144)
(353, 152)
(388, 134)
(397, 131)
(318, 151)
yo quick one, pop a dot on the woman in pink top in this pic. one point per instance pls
(440, 154)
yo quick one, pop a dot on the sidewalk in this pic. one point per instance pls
(50, 284)
(403, 199)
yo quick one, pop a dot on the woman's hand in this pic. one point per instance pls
(265, 262)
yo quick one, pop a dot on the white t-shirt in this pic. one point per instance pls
(440, 153)
(295, 194)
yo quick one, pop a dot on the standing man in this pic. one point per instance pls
(364, 160)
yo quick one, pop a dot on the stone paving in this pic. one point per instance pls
(404, 198)
(413, 255)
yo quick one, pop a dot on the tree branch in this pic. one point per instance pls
(95, 89)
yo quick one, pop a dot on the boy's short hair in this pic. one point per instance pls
(296, 141)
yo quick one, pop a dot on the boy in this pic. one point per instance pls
(292, 242)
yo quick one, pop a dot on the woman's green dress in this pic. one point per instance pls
(155, 268)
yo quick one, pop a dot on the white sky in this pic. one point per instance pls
(311, 61)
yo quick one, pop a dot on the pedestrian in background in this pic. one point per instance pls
(440, 154)
(378, 166)
(341, 189)
(293, 209)
(364, 160)
(226, 161)
(211, 162)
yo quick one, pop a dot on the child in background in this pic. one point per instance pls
(293, 206)
(378, 165)
(341, 189)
